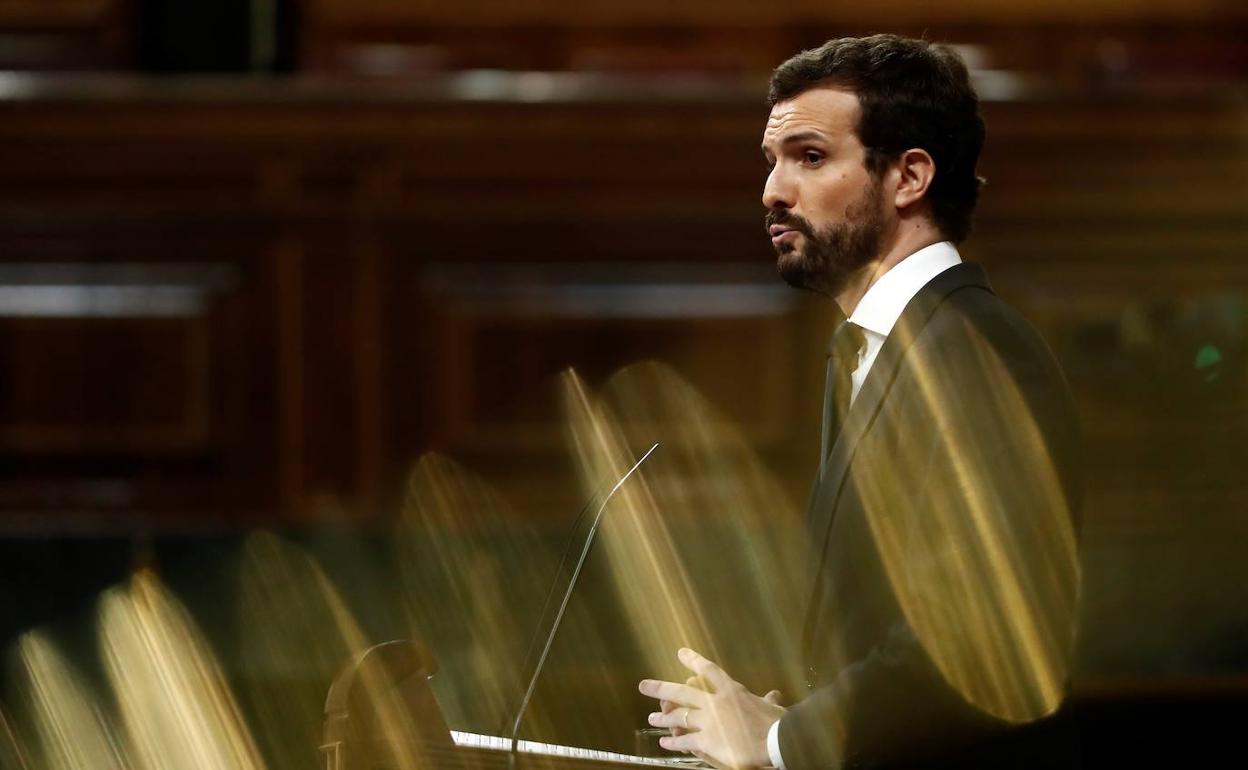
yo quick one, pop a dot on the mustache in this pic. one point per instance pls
(788, 219)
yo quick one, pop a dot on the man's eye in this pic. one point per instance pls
(812, 157)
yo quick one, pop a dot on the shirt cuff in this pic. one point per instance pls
(773, 746)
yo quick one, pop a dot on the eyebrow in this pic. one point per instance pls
(800, 136)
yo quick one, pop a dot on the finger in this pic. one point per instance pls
(666, 707)
(704, 668)
(681, 694)
(686, 742)
(774, 698)
(693, 681)
(681, 719)
(700, 683)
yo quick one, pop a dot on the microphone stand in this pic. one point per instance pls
(567, 596)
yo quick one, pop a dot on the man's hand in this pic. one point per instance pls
(721, 722)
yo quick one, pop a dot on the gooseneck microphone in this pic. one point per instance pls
(563, 606)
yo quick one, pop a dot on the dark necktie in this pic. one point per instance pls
(843, 352)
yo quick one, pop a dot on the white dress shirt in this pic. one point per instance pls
(877, 313)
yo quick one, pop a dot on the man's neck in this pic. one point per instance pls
(907, 241)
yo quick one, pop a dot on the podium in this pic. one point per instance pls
(381, 714)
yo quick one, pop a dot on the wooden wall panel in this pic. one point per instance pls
(623, 12)
(411, 266)
(503, 344)
(89, 385)
(63, 34)
(139, 371)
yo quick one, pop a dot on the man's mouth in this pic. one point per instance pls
(781, 233)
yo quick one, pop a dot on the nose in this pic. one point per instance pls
(778, 192)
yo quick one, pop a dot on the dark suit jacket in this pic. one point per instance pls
(942, 610)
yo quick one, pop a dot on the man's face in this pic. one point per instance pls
(825, 211)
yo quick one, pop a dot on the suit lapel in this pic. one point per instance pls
(867, 405)
(862, 413)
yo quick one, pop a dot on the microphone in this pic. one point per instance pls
(567, 596)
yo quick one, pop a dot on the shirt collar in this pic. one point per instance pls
(881, 306)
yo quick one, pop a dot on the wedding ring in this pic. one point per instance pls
(686, 719)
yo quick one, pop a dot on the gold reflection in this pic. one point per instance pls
(737, 533)
(296, 635)
(12, 755)
(73, 732)
(987, 573)
(474, 573)
(637, 538)
(383, 714)
(176, 707)
(702, 548)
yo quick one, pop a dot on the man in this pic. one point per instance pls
(941, 615)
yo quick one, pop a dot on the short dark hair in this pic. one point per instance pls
(911, 93)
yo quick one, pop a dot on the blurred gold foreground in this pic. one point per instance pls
(701, 549)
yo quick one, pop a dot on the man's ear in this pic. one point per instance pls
(916, 171)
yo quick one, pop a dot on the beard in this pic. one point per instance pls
(830, 256)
